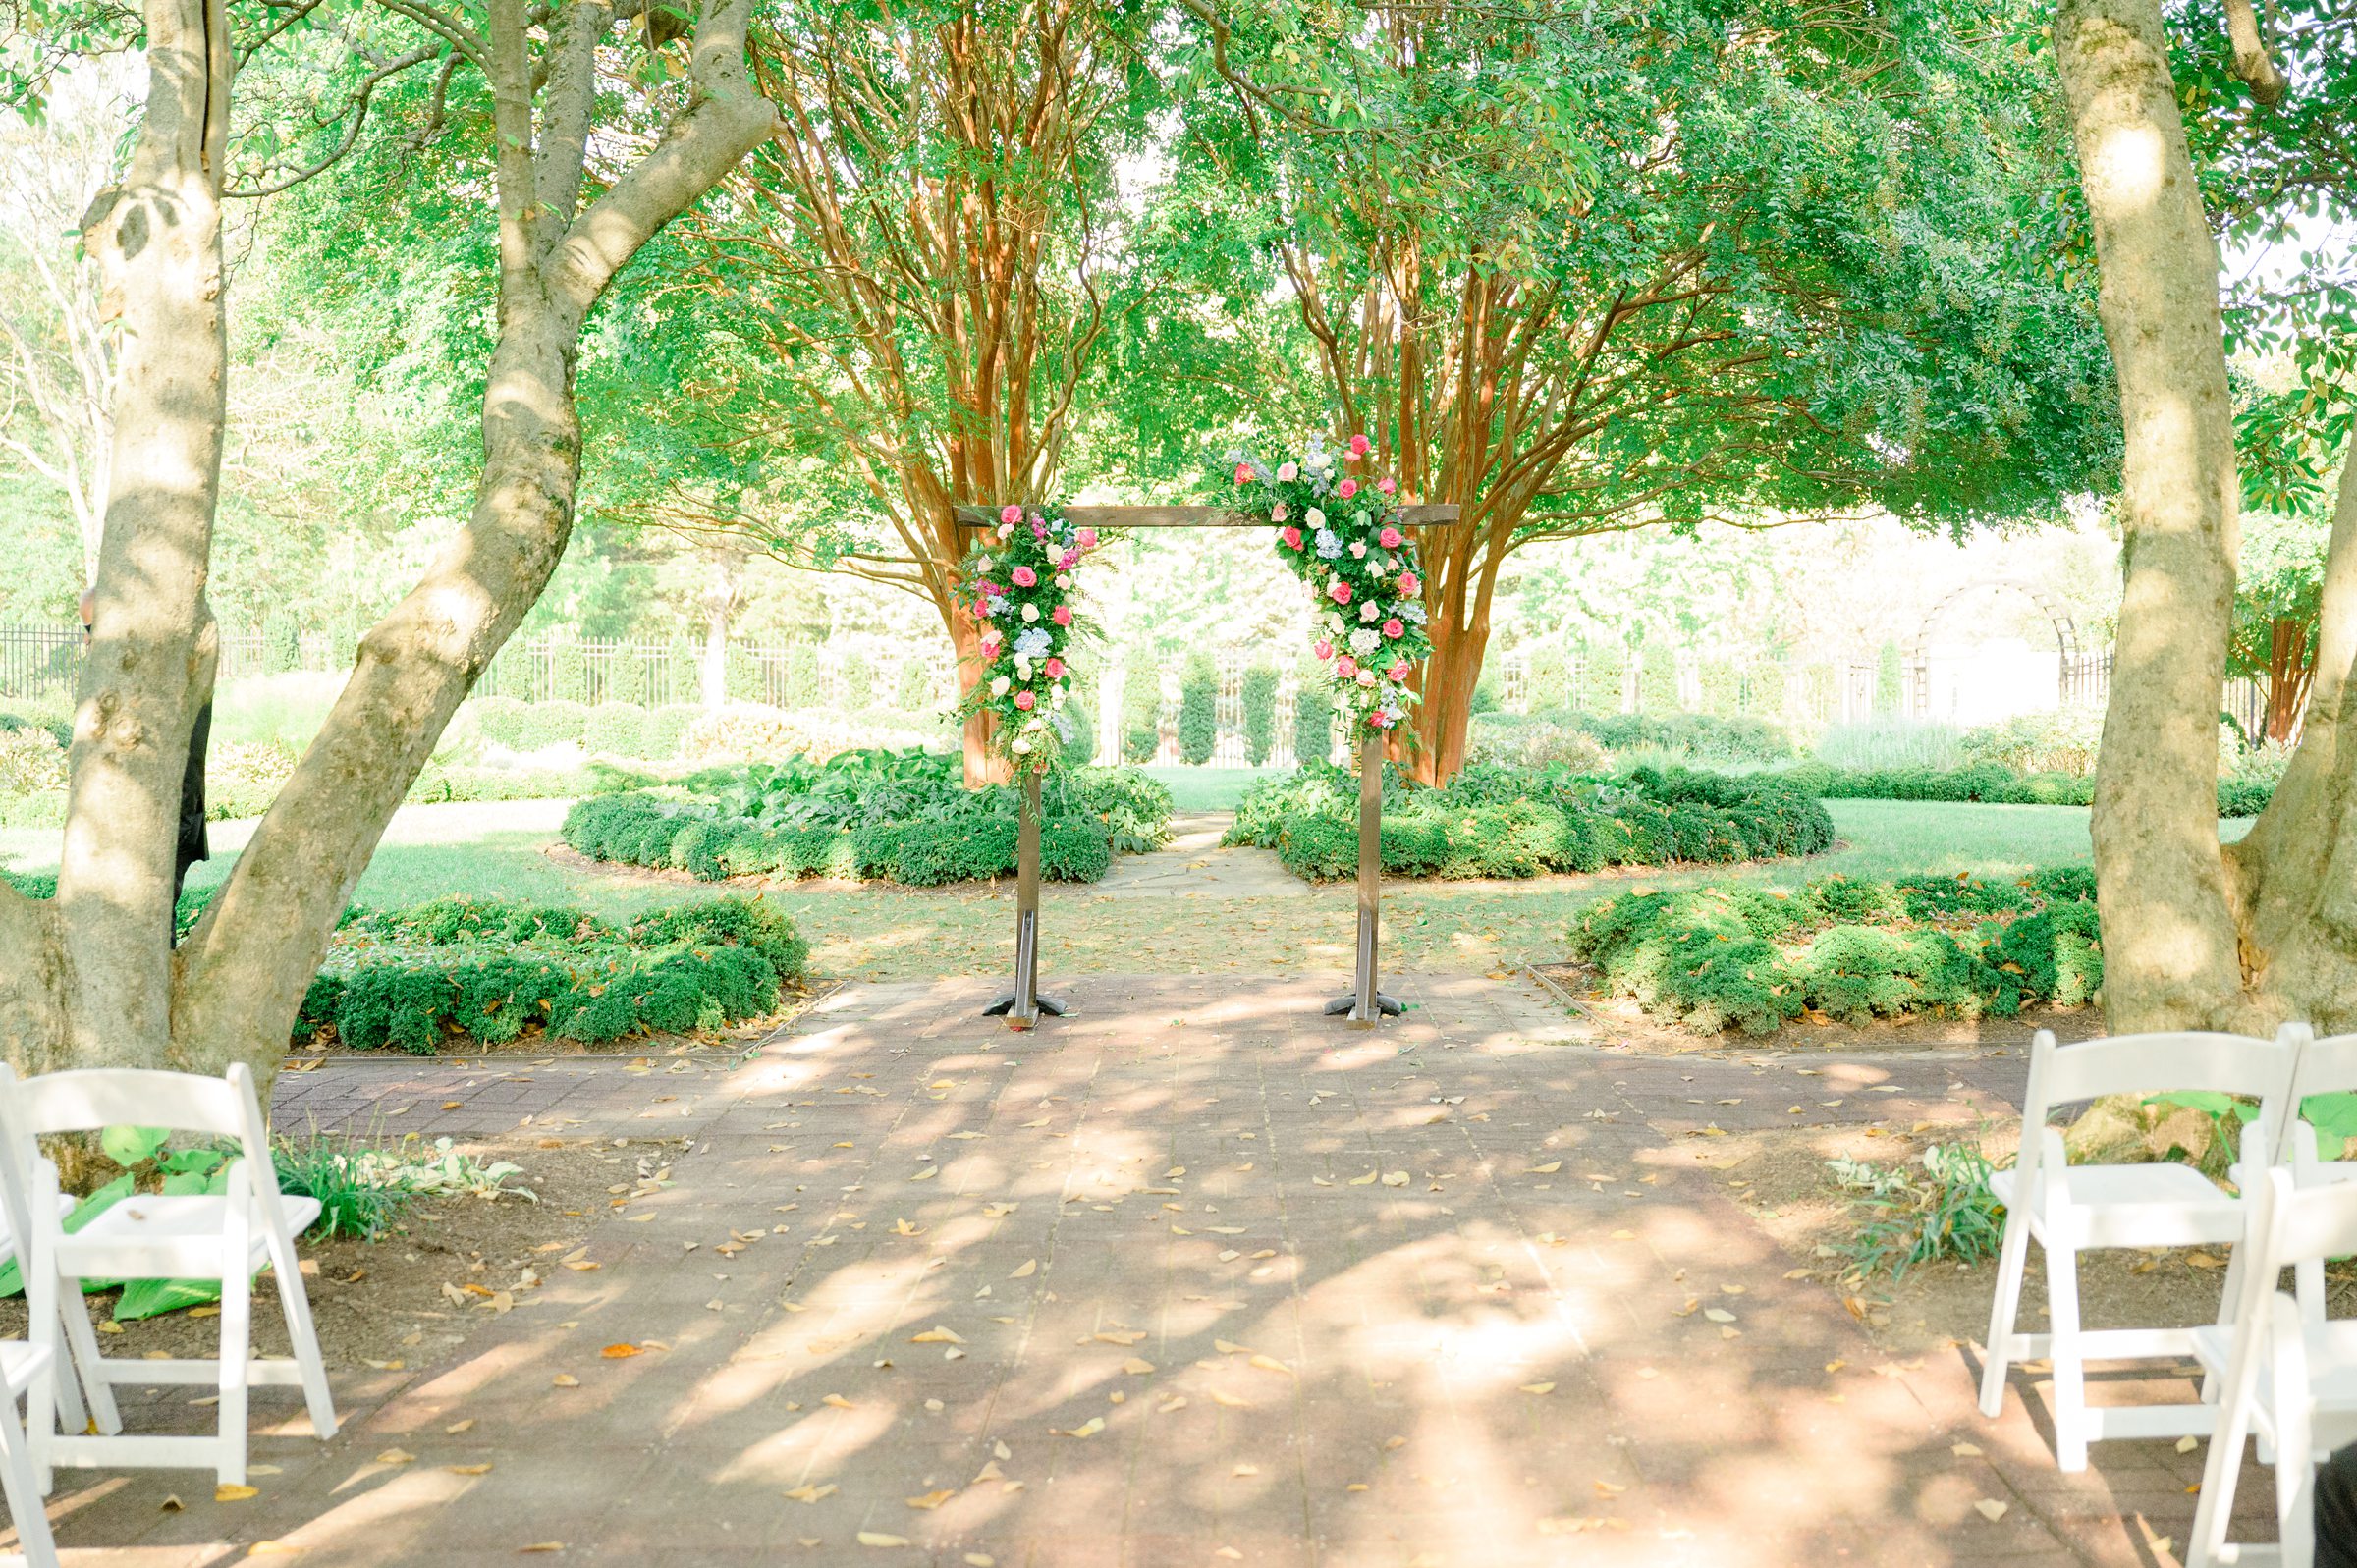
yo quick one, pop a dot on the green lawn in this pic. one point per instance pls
(892, 934)
(1209, 788)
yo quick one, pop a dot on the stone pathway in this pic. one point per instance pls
(1192, 1276)
(1195, 865)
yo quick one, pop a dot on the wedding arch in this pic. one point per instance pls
(1366, 1004)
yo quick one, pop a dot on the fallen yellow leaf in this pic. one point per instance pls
(229, 1491)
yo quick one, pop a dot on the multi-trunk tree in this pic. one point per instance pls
(918, 271)
(585, 157)
(2182, 137)
(1581, 268)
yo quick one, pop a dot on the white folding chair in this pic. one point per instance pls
(2291, 1382)
(228, 1237)
(27, 1372)
(2326, 1067)
(2069, 1210)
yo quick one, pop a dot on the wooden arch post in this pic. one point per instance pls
(1366, 1005)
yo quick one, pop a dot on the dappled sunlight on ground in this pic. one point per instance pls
(1194, 1276)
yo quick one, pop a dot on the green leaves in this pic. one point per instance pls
(131, 1146)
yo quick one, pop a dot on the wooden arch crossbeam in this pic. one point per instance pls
(1366, 1004)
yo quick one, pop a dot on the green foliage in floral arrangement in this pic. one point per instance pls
(1017, 584)
(1492, 821)
(1850, 949)
(869, 815)
(491, 970)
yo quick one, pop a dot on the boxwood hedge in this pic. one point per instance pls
(1494, 821)
(489, 970)
(1992, 784)
(1711, 959)
(898, 816)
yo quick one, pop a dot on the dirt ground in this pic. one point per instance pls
(1779, 1176)
(384, 1303)
(1620, 1022)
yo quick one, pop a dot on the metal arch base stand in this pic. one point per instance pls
(1022, 1007)
(1366, 1007)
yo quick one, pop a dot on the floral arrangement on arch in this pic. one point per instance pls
(1019, 583)
(1338, 527)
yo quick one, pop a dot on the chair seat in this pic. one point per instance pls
(181, 1218)
(2331, 1348)
(2160, 1205)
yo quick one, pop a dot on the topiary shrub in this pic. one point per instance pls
(1198, 711)
(502, 721)
(626, 679)
(281, 644)
(1313, 723)
(617, 728)
(569, 674)
(668, 726)
(1256, 697)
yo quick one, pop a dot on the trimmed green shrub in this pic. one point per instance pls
(1691, 737)
(627, 677)
(1257, 697)
(569, 674)
(281, 644)
(490, 970)
(1198, 711)
(804, 687)
(666, 725)
(1313, 722)
(617, 728)
(1494, 821)
(901, 815)
(1850, 949)
(1991, 783)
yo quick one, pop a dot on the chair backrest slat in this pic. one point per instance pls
(2310, 1224)
(2156, 1063)
(91, 1097)
(2327, 1066)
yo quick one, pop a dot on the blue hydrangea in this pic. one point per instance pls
(1033, 642)
(1410, 611)
(1330, 544)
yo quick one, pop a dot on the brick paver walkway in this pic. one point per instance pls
(1192, 1276)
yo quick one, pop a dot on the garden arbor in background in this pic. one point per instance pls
(1366, 1004)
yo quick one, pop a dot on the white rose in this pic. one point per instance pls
(1005, 531)
(1369, 611)
(1022, 668)
(982, 562)
(1021, 747)
(1313, 518)
(1358, 549)
(1030, 612)
(998, 687)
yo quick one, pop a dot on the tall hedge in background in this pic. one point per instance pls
(805, 684)
(1141, 713)
(1198, 711)
(1657, 678)
(1258, 699)
(281, 644)
(1313, 722)
(569, 674)
(743, 678)
(1889, 691)
(626, 677)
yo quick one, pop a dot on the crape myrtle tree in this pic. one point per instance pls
(2191, 126)
(1580, 267)
(918, 271)
(598, 124)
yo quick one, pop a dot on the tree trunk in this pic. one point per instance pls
(101, 950)
(96, 979)
(2169, 942)
(2287, 673)
(1439, 724)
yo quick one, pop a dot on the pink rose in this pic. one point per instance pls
(1339, 593)
(990, 640)
(1398, 671)
(1024, 578)
(1061, 615)
(1054, 667)
(1387, 486)
(1243, 474)
(1287, 473)
(1277, 513)
(1390, 539)
(1346, 489)
(1408, 582)
(1291, 538)
(1380, 720)
(1345, 666)
(1366, 677)
(1322, 648)
(1011, 513)
(1087, 538)
(1392, 629)
(1024, 700)
(1360, 446)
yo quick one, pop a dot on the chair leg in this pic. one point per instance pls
(2295, 1464)
(2011, 1261)
(2070, 1372)
(73, 1311)
(296, 1303)
(2214, 1514)
(21, 1482)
